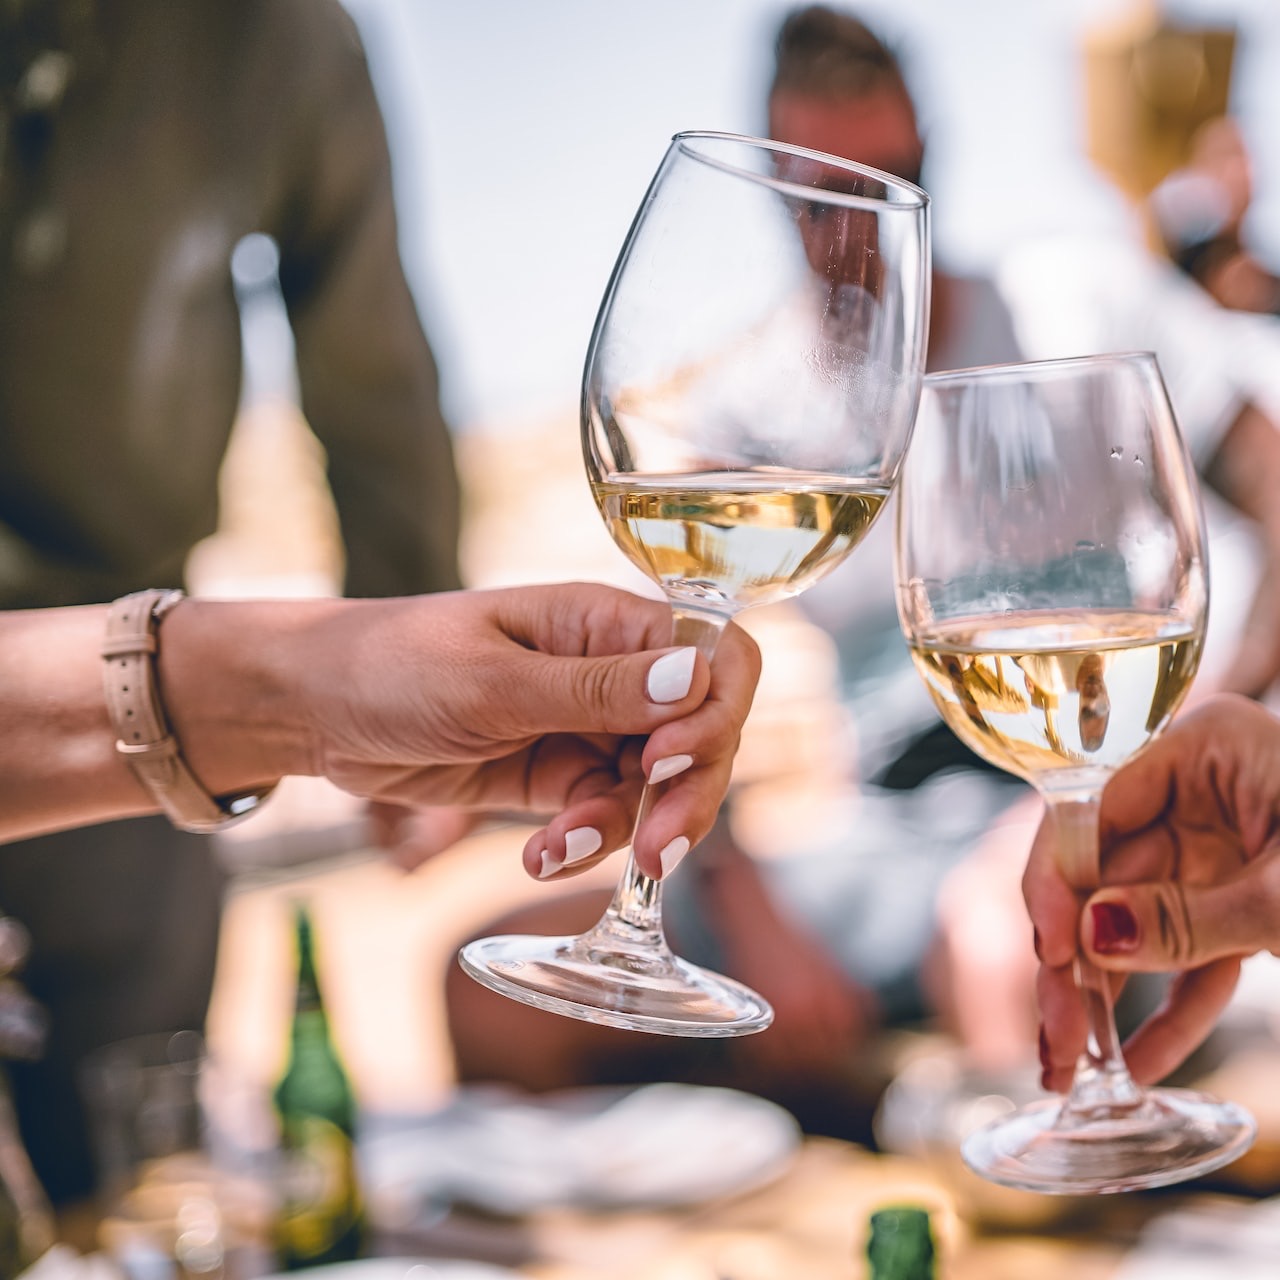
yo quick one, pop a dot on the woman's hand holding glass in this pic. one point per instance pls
(749, 391)
(1190, 875)
(1052, 587)
(558, 700)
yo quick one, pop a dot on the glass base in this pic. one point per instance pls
(1170, 1136)
(651, 991)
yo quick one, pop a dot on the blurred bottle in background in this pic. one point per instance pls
(321, 1217)
(901, 1244)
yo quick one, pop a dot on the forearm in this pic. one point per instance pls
(230, 680)
(1245, 470)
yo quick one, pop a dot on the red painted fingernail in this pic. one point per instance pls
(1115, 928)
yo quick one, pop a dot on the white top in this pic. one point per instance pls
(1077, 295)
(856, 602)
(1082, 295)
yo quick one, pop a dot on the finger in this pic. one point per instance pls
(706, 739)
(682, 814)
(1214, 765)
(588, 830)
(1189, 1013)
(597, 796)
(1051, 903)
(586, 660)
(1063, 1026)
(620, 694)
(1156, 927)
(582, 619)
(712, 730)
(585, 832)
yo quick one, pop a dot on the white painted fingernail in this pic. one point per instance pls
(671, 676)
(580, 843)
(668, 767)
(549, 865)
(671, 856)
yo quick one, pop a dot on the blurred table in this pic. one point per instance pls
(387, 940)
(810, 1223)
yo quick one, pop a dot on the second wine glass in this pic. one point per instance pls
(749, 392)
(1052, 585)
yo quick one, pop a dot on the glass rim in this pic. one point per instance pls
(916, 197)
(1030, 369)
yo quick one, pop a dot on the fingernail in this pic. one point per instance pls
(550, 865)
(1115, 928)
(580, 843)
(1044, 1052)
(671, 676)
(671, 856)
(1039, 949)
(668, 767)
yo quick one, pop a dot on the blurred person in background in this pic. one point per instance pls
(141, 141)
(831, 934)
(907, 906)
(1081, 290)
(868, 924)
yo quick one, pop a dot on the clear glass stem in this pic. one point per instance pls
(634, 917)
(1102, 1084)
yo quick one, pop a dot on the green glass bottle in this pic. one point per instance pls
(321, 1216)
(901, 1244)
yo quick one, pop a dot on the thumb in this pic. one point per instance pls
(622, 693)
(1157, 927)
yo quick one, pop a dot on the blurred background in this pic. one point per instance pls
(523, 137)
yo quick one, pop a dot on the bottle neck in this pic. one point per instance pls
(310, 1024)
(310, 1020)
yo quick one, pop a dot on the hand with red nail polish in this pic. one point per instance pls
(1113, 927)
(1190, 883)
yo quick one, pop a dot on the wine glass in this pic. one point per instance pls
(1052, 586)
(749, 391)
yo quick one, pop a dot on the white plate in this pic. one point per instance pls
(656, 1146)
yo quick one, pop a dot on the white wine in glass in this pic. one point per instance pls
(1053, 587)
(749, 392)
(732, 539)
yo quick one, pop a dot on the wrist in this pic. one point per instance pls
(234, 677)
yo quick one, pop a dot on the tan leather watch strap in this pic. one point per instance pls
(144, 736)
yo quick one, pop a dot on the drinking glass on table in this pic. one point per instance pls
(749, 392)
(173, 1205)
(1052, 586)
